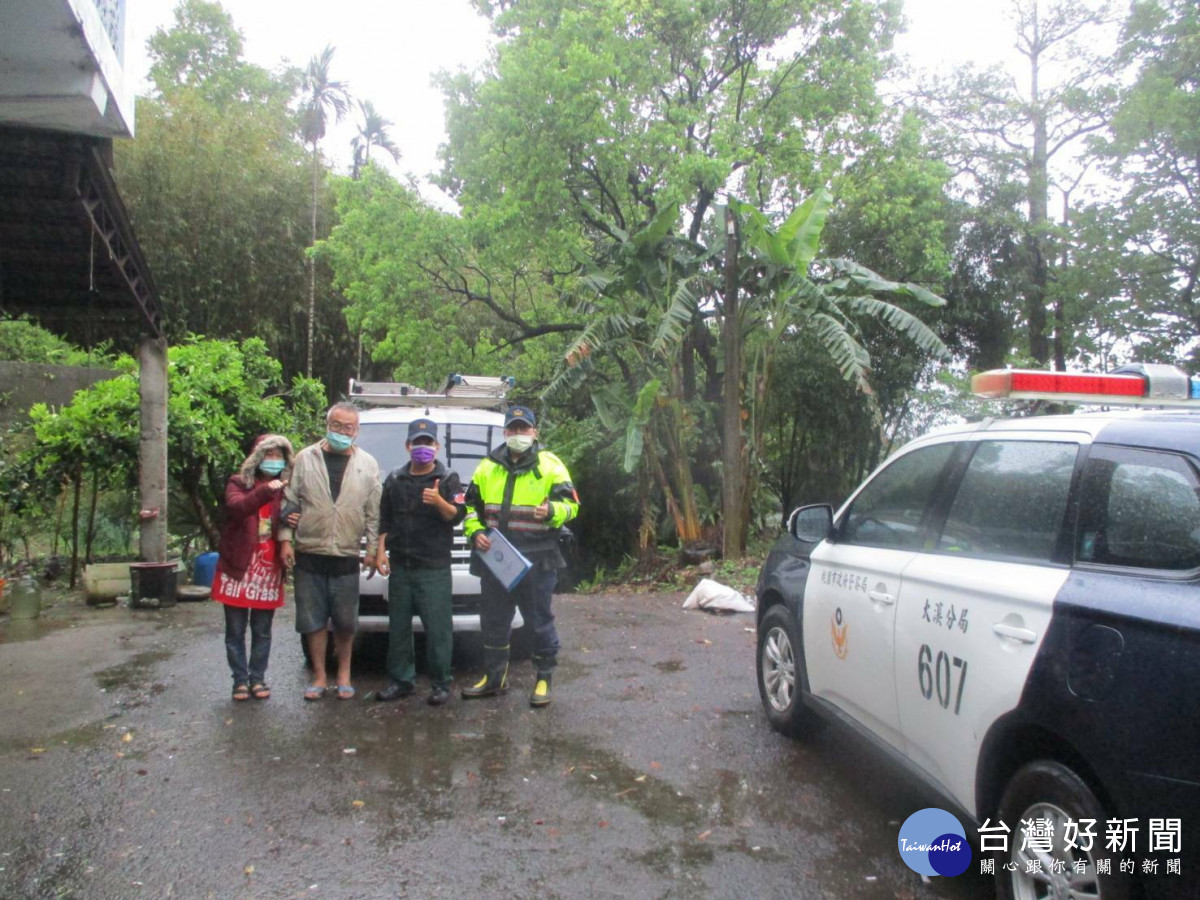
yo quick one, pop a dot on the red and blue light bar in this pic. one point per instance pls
(1140, 384)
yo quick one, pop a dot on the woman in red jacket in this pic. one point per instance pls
(249, 576)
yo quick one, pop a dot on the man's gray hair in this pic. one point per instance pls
(343, 406)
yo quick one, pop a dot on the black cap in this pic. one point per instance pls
(520, 414)
(419, 427)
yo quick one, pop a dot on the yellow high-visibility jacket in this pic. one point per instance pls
(503, 494)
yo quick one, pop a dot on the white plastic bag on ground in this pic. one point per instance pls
(716, 597)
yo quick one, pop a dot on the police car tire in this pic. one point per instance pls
(1047, 781)
(777, 630)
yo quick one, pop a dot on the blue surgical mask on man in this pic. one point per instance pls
(272, 466)
(338, 442)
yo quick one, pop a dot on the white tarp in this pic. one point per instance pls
(716, 597)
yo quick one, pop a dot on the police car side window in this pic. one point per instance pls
(1011, 502)
(888, 512)
(1139, 509)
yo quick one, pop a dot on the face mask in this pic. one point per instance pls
(272, 466)
(422, 455)
(339, 442)
(519, 443)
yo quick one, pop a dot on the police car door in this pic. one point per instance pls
(974, 609)
(851, 593)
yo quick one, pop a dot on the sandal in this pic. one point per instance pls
(260, 692)
(314, 692)
(241, 692)
(345, 692)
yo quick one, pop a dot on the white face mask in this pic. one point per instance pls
(519, 443)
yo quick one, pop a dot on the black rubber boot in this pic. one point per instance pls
(495, 679)
(541, 691)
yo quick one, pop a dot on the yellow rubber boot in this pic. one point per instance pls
(495, 679)
(541, 691)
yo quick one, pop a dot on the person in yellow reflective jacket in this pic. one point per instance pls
(526, 494)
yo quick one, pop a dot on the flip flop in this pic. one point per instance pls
(260, 692)
(345, 692)
(314, 692)
(241, 692)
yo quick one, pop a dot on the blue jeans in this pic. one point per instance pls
(532, 597)
(260, 620)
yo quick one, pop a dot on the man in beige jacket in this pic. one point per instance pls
(335, 488)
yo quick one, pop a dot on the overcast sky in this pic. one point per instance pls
(388, 50)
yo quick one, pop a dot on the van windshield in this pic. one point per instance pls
(463, 446)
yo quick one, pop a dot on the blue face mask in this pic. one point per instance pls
(339, 442)
(272, 466)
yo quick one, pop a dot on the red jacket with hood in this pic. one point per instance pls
(245, 494)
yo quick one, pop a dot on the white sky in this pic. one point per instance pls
(388, 51)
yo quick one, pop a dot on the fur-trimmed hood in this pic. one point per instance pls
(262, 444)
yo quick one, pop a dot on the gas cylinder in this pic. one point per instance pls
(25, 598)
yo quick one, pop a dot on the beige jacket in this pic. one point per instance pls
(328, 528)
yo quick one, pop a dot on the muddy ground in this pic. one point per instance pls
(126, 771)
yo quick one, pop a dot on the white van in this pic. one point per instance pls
(469, 412)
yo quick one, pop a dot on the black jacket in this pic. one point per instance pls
(417, 535)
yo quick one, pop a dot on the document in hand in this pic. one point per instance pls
(505, 561)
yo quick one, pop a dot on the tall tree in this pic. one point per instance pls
(1154, 152)
(373, 132)
(217, 185)
(323, 97)
(999, 128)
(597, 120)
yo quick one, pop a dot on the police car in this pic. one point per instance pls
(1012, 609)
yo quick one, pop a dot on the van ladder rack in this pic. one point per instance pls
(472, 391)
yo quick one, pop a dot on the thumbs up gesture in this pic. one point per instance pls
(431, 496)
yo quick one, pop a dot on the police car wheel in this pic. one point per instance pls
(779, 673)
(1048, 790)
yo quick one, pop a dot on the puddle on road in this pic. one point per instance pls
(89, 735)
(131, 673)
(671, 665)
(18, 630)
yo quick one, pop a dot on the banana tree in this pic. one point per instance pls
(640, 302)
(782, 288)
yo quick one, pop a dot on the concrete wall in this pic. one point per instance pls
(24, 384)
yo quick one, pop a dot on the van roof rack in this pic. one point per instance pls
(473, 391)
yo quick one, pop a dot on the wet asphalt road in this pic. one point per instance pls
(126, 771)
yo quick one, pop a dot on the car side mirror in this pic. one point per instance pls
(811, 524)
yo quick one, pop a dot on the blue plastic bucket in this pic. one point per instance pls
(204, 569)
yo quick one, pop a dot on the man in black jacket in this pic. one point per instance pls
(421, 503)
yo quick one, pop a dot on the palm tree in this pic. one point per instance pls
(322, 96)
(373, 132)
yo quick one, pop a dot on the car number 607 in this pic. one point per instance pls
(936, 674)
